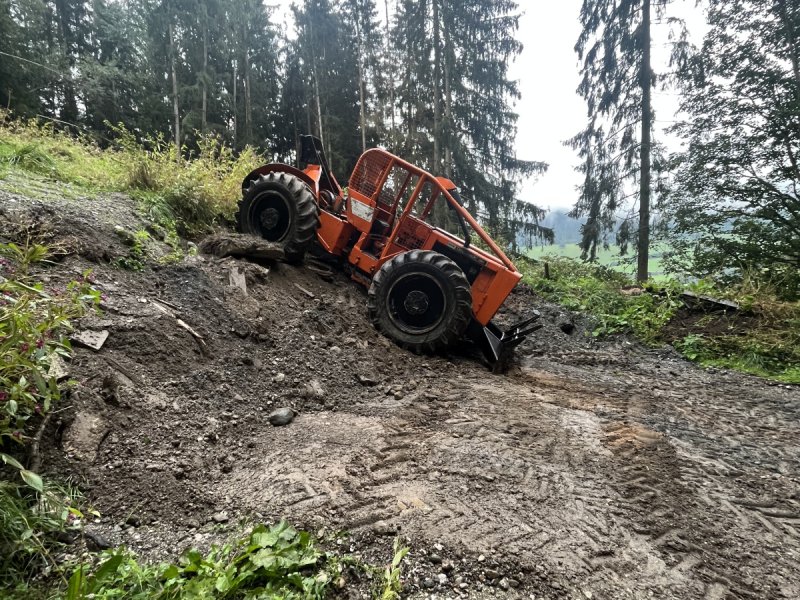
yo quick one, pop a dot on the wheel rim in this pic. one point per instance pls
(417, 303)
(271, 216)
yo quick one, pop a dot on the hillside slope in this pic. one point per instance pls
(590, 469)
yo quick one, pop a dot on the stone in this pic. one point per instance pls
(95, 541)
(442, 579)
(220, 517)
(93, 340)
(280, 417)
(366, 381)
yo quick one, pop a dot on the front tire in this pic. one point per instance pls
(422, 300)
(280, 208)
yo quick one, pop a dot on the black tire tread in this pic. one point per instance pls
(457, 321)
(306, 218)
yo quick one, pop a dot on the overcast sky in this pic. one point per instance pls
(548, 73)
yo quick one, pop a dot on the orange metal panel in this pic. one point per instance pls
(333, 232)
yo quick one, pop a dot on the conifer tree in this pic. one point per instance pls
(616, 145)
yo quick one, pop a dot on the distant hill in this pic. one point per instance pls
(567, 229)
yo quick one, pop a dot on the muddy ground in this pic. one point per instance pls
(588, 470)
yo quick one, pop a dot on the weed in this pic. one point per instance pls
(391, 585)
(271, 562)
(33, 523)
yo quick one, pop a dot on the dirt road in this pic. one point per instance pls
(590, 470)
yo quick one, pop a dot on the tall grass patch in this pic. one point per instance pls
(761, 338)
(188, 192)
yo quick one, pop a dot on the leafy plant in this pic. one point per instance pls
(271, 562)
(391, 584)
(33, 328)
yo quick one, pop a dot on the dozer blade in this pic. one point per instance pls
(496, 343)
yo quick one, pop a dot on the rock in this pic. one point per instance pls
(84, 435)
(428, 583)
(314, 389)
(282, 416)
(442, 579)
(384, 528)
(366, 381)
(504, 583)
(279, 378)
(133, 521)
(492, 574)
(435, 559)
(95, 541)
(58, 368)
(481, 558)
(91, 339)
(448, 566)
(220, 517)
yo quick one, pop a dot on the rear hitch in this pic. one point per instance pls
(496, 343)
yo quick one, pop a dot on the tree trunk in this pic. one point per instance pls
(235, 104)
(361, 93)
(643, 249)
(175, 106)
(69, 110)
(389, 78)
(248, 103)
(204, 117)
(788, 23)
(437, 90)
(448, 101)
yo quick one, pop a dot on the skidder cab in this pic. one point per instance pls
(428, 288)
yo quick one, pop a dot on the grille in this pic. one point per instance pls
(367, 175)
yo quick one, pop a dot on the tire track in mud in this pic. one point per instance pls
(683, 477)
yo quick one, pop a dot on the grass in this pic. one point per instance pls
(762, 338)
(606, 257)
(186, 194)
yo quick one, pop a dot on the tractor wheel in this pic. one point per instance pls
(421, 300)
(280, 208)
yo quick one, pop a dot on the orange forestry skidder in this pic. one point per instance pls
(428, 289)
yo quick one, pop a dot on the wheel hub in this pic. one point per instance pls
(273, 216)
(269, 218)
(416, 302)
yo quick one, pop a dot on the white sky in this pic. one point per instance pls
(548, 74)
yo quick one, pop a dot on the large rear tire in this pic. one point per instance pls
(280, 208)
(422, 300)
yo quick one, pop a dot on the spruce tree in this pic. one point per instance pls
(616, 145)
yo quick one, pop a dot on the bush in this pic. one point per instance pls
(188, 194)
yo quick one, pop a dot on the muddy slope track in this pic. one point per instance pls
(602, 470)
